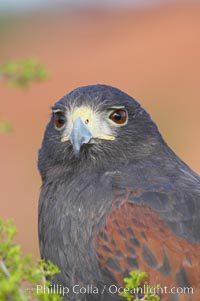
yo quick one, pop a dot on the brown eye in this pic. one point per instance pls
(119, 116)
(59, 119)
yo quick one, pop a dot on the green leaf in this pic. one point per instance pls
(5, 126)
(23, 72)
(20, 274)
(134, 285)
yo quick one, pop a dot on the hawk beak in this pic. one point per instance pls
(79, 135)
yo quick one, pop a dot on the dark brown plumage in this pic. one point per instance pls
(115, 198)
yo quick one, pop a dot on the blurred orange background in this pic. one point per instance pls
(150, 52)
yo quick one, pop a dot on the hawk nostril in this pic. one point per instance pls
(86, 121)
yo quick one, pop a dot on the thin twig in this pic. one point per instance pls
(7, 273)
(4, 269)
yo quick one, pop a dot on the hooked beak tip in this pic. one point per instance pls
(80, 135)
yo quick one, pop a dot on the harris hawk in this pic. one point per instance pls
(116, 198)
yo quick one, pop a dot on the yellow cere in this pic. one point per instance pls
(64, 139)
(99, 128)
(85, 113)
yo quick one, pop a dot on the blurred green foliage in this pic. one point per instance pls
(22, 73)
(136, 286)
(5, 126)
(20, 275)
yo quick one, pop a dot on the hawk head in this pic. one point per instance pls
(97, 124)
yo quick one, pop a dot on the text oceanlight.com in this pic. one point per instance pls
(112, 289)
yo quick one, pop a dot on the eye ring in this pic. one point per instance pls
(119, 116)
(59, 120)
